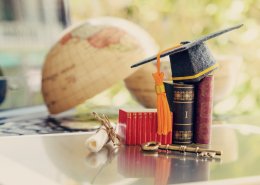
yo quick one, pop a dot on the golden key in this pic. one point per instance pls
(155, 146)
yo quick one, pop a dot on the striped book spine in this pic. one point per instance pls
(141, 126)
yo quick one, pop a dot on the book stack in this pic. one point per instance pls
(191, 66)
(192, 110)
(141, 127)
(191, 105)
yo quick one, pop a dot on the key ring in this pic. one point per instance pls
(150, 146)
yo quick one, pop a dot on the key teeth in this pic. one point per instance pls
(207, 154)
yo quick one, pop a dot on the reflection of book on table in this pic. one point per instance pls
(188, 168)
(141, 126)
(173, 169)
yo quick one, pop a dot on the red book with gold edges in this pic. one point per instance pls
(141, 126)
(204, 110)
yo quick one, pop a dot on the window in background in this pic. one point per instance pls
(27, 30)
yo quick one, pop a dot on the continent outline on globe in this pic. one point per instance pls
(84, 63)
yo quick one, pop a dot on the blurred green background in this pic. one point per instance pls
(168, 22)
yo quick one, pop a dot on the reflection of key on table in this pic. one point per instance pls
(155, 146)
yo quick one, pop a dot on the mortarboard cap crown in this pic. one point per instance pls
(191, 61)
(192, 64)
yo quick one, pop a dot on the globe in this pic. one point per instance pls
(141, 86)
(89, 58)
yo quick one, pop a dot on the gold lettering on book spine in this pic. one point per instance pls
(186, 114)
(183, 95)
(183, 135)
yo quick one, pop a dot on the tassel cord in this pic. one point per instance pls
(163, 110)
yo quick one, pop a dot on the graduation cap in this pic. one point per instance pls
(191, 61)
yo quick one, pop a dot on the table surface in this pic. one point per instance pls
(64, 159)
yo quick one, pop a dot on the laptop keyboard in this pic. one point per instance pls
(31, 127)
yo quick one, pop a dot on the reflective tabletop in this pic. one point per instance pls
(64, 159)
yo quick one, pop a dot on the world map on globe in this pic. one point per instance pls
(89, 58)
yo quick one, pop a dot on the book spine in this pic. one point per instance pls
(139, 128)
(134, 129)
(183, 105)
(122, 120)
(204, 106)
(144, 127)
(169, 140)
(149, 123)
(129, 129)
(155, 136)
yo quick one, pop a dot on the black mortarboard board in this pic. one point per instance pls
(191, 61)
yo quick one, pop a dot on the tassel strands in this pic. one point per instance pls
(163, 111)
